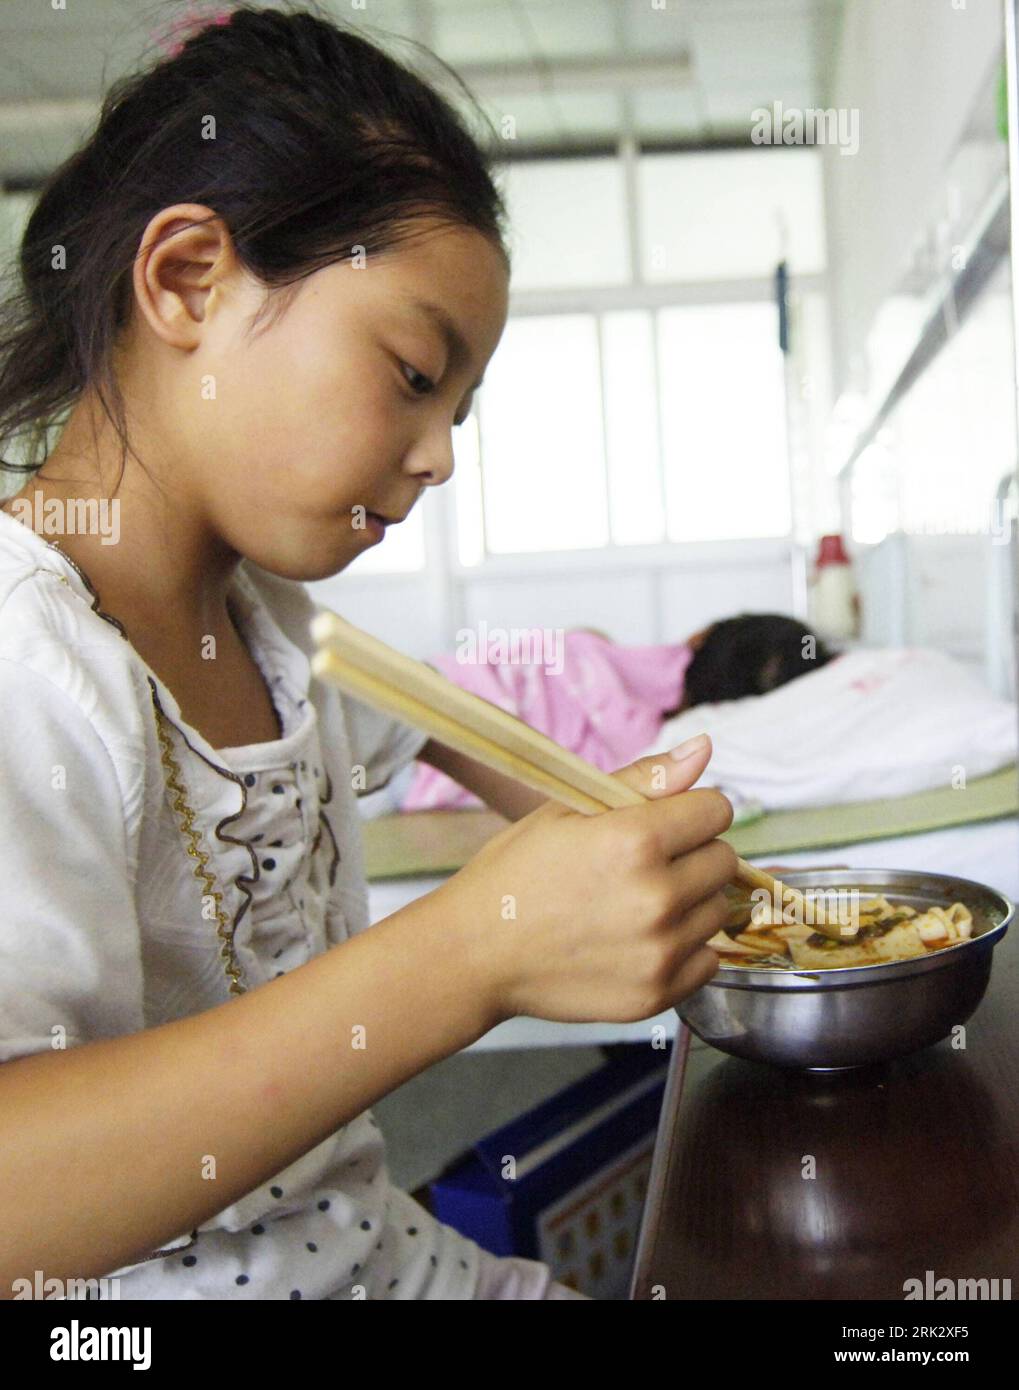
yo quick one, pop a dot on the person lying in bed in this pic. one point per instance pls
(608, 702)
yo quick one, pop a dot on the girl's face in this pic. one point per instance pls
(289, 436)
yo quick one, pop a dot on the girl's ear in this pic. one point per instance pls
(178, 267)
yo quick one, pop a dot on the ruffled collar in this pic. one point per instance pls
(282, 657)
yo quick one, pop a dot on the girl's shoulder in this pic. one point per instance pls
(58, 654)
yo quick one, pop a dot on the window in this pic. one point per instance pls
(704, 216)
(723, 422)
(631, 426)
(628, 427)
(542, 442)
(732, 214)
(568, 223)
(638, 394)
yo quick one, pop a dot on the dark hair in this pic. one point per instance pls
(323, 143)
(750, 655)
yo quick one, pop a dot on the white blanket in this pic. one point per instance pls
(872, 723)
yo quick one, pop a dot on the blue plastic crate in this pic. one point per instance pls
(565, 1183)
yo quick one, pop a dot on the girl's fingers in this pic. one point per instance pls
(699, 923)
(698, 869)
(660, 774)
(695, 971)
(677, 825)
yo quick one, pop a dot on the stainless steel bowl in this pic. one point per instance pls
(829, 1020)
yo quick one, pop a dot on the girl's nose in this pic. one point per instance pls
(431, 460)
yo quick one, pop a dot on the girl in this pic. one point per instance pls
(266, 288)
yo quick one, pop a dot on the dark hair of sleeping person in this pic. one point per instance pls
(749, 655)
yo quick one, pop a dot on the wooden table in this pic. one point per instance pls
(916, 1161)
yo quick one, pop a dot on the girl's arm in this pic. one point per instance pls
(103, 1147)
(504, 794)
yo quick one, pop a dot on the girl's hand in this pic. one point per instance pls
(600, 918)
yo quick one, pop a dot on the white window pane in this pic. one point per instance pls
(542, 452)
(401, 549)
(568, 222)
(716, 216)
(470, 516)
(631, 427)
(723, 422)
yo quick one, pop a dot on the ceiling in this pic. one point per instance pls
(572, 74)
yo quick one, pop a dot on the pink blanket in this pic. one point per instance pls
(606, 703)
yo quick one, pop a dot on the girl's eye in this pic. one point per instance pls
(418, 382)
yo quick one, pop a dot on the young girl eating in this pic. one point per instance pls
(256, 303)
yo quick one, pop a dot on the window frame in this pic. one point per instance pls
(597, 302)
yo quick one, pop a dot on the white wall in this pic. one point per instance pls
(657, 595)
(914, 70)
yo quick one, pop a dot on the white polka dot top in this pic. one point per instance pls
(279, 823)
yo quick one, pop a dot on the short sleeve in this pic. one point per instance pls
(380, 743)
(70, 959)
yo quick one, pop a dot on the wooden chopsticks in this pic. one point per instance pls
(409, 690)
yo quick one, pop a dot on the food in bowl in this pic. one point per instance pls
(832, 1018)
(761, 937)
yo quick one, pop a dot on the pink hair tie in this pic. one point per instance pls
(171, 39)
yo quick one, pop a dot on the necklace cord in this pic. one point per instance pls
(225, 930)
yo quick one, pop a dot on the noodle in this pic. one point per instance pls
(886, 933)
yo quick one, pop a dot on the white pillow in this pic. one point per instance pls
(872, 723)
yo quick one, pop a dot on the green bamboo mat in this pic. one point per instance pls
(985, 798)
(419, 843)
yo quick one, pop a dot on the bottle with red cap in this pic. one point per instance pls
(834, 604)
